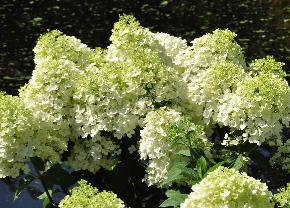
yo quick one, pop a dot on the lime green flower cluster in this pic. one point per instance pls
(228, 188)
(60, 60)
(209, 87)
(143, 50)
(23, 136)
(213, 48)
(282, 198)
(259, 106)
(14, 136)
(86, 196)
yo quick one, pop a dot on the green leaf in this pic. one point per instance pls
(197, 153)
(23, 184)
(201, 167)
(240, 163)
(213, 168)
(190, 176)
(175, 173)
(45, 202)
(175, 198)
(189, 171)
(184, 153)
(115, 162)
(43, 195)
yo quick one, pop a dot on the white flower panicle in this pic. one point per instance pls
(228, 188)
(210, 49)
(209, 87)
(262, 107)
(23, 136)
(60, 61)
(153, 143)
(148, 57)
(93, 153)
(157, 138)
(110, 99)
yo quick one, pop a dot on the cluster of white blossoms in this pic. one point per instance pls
(94, 153)
(77, 93)
(253, 101)
(85, 195)
(153, 143)
(134, 75)
(60, 60)
(23, 136)
(13, 136)
(161, 130)
(147, 59)
(260, 109)
(228, 188)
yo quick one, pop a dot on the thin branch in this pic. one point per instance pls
(39, 176)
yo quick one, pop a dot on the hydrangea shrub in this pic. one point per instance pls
(83, 103)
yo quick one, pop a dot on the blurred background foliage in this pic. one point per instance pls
(263, 26)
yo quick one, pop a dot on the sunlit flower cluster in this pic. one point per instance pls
(85, 195)
(260, 107)
(60, 60)
(228, 188)
(210, 49)
(23, 136)
(143, 51)
(158, 141)
(153, 144)
(282, 198)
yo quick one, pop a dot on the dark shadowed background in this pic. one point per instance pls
(263, 26)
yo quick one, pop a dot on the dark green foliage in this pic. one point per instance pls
(175, 198)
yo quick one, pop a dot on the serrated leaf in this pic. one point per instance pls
(189, 171)
(201, 166)
(175, 198)
(239, 163)
(213, 168)
(184, 153)
(173, 176)
(174, 173)
(23, 183)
